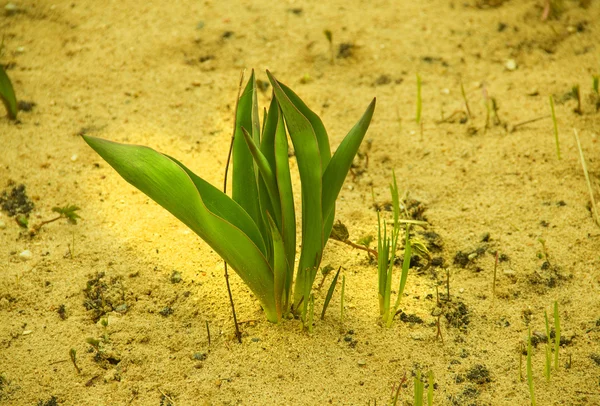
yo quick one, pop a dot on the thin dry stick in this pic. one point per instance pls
(494, 284)
(594, 208)
(238, 334)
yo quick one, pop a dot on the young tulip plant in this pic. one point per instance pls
(254, 230)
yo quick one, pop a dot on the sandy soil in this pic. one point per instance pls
(165, 74)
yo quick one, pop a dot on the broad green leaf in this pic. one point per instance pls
(315, 122)
(169, 184)
(310, 168)
(244, 185)
(280, 267)
(267, 175)
(7, 94)
(340, 163)
(286, 196)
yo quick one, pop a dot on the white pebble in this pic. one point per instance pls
(25, 255)
(511, 64)
(2, 225)
(74, 157)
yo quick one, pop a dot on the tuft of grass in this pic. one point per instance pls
(254, 230)
(386, 248)
(555, 127)
(7, 94)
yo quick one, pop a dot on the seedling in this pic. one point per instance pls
(555, 127)
(254, 231)
(594, 208)
(67, 212)
(386, 247)
(330, 292)
(530, 369)
(464, 96)
(395, 395)
(596, 95)
(548, 349)
(73, 356)
(7, 94)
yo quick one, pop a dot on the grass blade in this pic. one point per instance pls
(330, 292)
(280, 268)
(594, 208)
(7, 94)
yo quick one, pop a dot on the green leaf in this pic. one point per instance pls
(340, 163)
(211, 214)
(310, 168)
(7, 94)
(244, 186)
(68, 212)
(286, 197)
(330, 292)
(280, 268)
(267, 175)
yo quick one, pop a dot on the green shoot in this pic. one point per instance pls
(418, 394)
(67, 212)
(464, 96)
(430, 389)
(530, 369)
(555, 127)
(594, 208)
(254, 231)
(330, 292)
(7, 94)
(342, 300)
(548, 349)
(556, 335)
(595, 80)
(73, 356)
(386, 247)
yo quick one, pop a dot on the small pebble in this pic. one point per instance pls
(255, 339)
(175, 276)
(362, 362)
(509, 272)
(2, 225)
(25, 255)
(27, 332)
(511, 65)
(74, 157)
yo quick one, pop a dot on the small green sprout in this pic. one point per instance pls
(330, 292)
(67, 212)
(548, 349)
(386, 248)
(254, 230)
(577, 95)
(329, 36)
(418, 390)
(7, 94)
(73, 356)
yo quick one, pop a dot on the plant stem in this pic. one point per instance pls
(342, 299)
(556, 335)
(238, 334)
(594, 209)
(530, 369)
